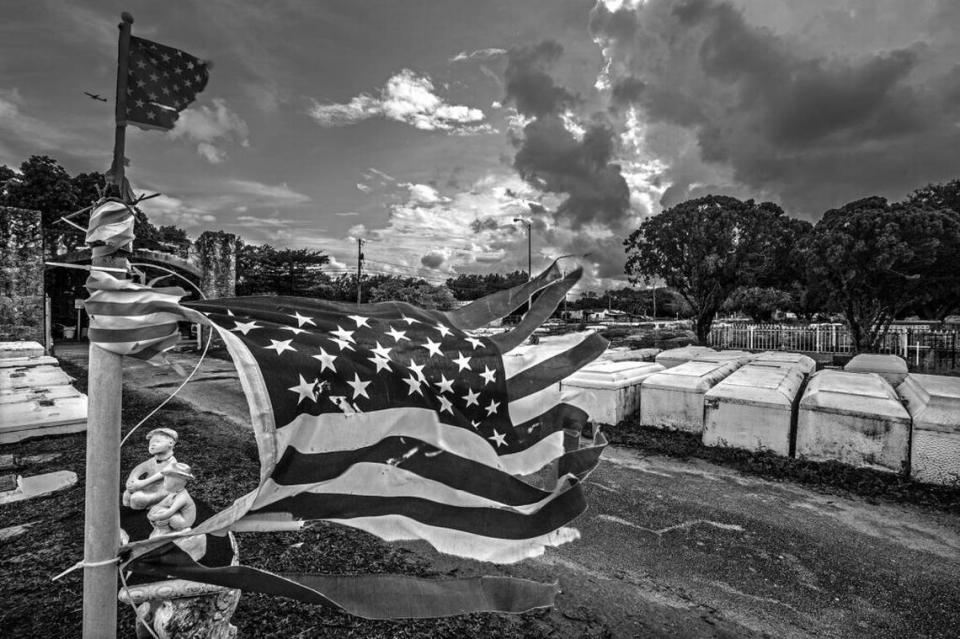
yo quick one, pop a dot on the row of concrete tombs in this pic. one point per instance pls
(872, 414)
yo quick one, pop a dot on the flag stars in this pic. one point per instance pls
(382, 362)
(417, 369)
(343, 344)
(462, 362)
(326, 360)
(489, 375)
(382, 351)
(492, 407)
(360, 320)
(476, 342)
(359, 387)
(445, 385)
(397, 335)
(408, 320)
(414, 385)
(281, 346)
(498, 438)
(344, 334)
(475, 424)
(444, 331)
(302, 319)
(445, 405)
(293, 329)
(433, 347)
(244, 327)
(305, 389)
(471, 398)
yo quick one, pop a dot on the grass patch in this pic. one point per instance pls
(832, 477)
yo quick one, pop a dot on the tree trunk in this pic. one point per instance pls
(704, 322)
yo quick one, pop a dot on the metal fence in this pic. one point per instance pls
(923, 348)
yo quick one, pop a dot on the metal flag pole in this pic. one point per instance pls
(101, 529)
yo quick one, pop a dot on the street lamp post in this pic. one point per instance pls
(528, 223)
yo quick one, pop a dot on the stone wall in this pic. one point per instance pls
(21, 275)
(215, 252)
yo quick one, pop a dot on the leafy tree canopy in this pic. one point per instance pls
(875, 259)
(706, 248)
(474, 286)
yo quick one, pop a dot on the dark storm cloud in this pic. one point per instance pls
(433, 260)
(530, 86)
(550, 157)
(815, 129)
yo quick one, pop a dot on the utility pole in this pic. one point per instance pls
(359, 265)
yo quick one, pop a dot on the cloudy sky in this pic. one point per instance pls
(426, 126)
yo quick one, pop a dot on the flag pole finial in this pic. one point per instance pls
(126, 17)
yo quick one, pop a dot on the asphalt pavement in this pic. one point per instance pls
(685, 548)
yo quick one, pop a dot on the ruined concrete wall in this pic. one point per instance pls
(21, 275)
(215, 252)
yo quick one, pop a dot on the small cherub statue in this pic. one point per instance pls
(144, 485)
(176, 512)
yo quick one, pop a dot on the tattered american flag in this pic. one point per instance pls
(401, 422)
(161, 82)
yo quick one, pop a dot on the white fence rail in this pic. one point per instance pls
(921, 347)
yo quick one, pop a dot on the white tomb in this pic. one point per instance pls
(890, 367)
(741, 357)
(854, 418)
(36, 397)
(753, 409)
(11, 350)
(673, 399)
(676, 356)
(805, 364)
(934, 404)
(610, 390)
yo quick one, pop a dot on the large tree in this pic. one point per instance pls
(876, 259)
(413, 291)
(43, 185)
(706, 248)
(943, 289)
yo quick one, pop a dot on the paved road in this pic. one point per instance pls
(675, 548)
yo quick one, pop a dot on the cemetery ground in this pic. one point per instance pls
(680, 540)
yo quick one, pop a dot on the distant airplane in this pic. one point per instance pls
(95, 96)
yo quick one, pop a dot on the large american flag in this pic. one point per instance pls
(398, 421)
(161, 82)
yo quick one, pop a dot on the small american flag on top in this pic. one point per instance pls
(161, 82)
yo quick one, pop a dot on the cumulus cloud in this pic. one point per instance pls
(210, 126)
(424, 194)
(433, 260)
(757, 109)
(409, 98)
